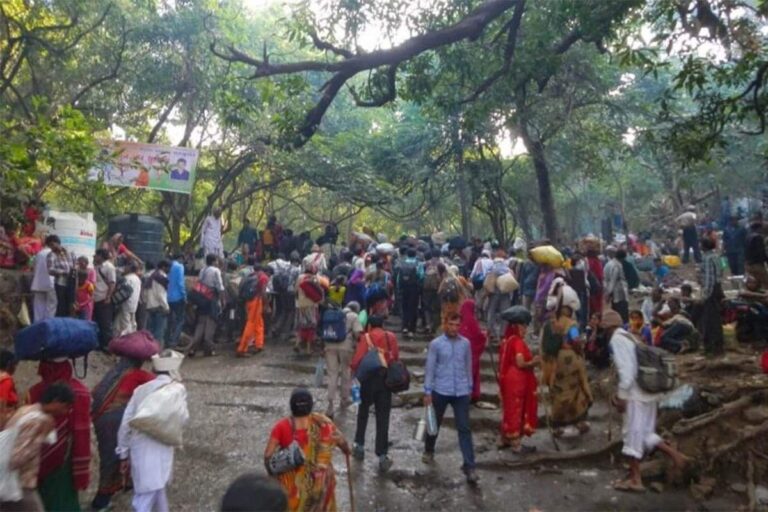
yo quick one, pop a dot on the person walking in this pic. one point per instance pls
(125, 323)
(448, 381)
(177, 301)
(312, 485)
(710, 320)
(497, 301)
(65, 465)
(103, 310)
(755, 255)
(110, 399)
(35, 423)
(157, 301)
(44, 299)
(615, 291)
(151, 461)
(687, 222)
(409, 282)
(338, 357)
(211, 235)
(247, 240)
(253, 332)
(639, 408)
(470, 329)
(734, 243)
(205, 328)
(373, 391)
(517, 383)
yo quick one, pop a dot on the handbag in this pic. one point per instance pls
(397, 378)
(288, 458)
(371, 362)
(201, 295)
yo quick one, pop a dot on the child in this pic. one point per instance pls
(638, 327)
(86, 284)
(660, 270)
(337, 291)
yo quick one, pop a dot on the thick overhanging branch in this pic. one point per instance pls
(468, 28)
(389, 94)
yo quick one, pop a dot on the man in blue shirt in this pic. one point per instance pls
(177, 301)
(448, 381)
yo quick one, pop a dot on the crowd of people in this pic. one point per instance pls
(549, 311)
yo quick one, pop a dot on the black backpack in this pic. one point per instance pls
(409, 273)
(281, 282)
(250, 287)
(123, 291)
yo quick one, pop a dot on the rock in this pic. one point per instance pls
(761, 495)
(758, 414)
(704, 489)
(588, 473)
(739, 488)
(657, 487)
(486, 405)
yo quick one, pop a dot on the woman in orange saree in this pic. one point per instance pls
(310, 487)
(517, 382)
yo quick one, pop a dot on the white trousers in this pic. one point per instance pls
(639, 430)
(43, 305)
(125, 323)
(155, 501)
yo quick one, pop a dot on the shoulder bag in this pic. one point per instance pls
(397, 379)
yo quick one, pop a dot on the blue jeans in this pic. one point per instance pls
(156, 321)
(460, 405)
(176, 323)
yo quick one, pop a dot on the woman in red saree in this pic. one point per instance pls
(470, 329)
(517, 383)
(110, 398)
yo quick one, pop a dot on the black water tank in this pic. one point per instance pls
(142, 234)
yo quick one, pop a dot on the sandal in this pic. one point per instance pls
(628, 486)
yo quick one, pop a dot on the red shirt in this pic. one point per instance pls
(8, 396)
(381, 339)
(284, 433)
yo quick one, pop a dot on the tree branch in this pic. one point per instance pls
(326, 46)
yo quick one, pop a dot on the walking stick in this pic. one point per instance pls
(548, 413)
(349, 482)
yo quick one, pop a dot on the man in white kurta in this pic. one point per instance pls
(151, 460)
(639, 407)
(211, 236)
(43, 291)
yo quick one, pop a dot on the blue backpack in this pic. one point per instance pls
(56, 337)
(334, 324)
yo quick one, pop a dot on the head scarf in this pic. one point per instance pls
(610, 319)
(469, 327)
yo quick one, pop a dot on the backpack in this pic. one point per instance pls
(251, 287)
(375, 292)
(123, 290)
(334, 326)
(431, 279)
(312, 289)
(281, 282)
(409, 273)
(656, 368)
(397, 378)
(450, 291)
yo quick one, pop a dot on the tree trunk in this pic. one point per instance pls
(546, 200)
(461, 180)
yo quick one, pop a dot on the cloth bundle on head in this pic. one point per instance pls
(168, 361)
(519, 245)
(610, 319)
(517, 315)
(353, 306)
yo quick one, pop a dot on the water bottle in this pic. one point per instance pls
(431, 420)
(319, 372)
(421, 427)
(356, 392)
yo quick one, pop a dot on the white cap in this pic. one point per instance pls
(168, 361)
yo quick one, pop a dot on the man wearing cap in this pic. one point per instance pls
(638, 406)
(151, 461)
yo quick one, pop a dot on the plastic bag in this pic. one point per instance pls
(431, 418)
(10, 487)
(163, 413)
(23, 316)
